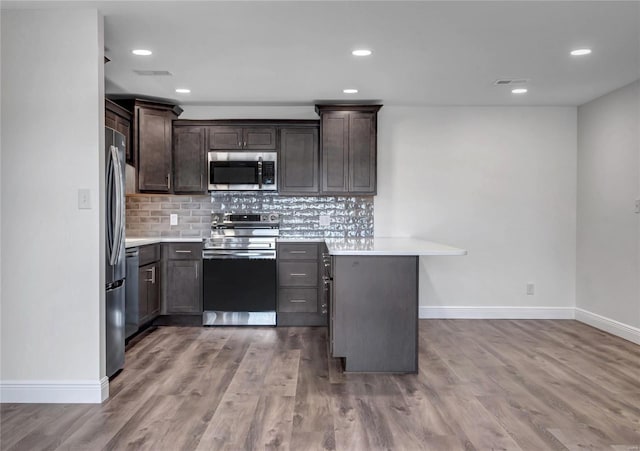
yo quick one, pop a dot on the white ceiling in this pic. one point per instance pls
(424, 53)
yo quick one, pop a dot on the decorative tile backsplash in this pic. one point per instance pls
(350, 216)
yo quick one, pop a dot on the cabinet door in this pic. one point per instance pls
(144, 276)
(154, 150)
(153, 291)
(335, 155)
(259, 138)
(299, 155)
(110, 119)
(189, 155)
(124, 126)
(184, 286)
(362, 153)
(225, 138)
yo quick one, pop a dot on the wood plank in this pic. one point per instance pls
(482, 384)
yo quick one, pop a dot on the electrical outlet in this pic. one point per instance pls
(637, 206)
(84, 199)
(173, 219)
(531, 289)
(325, 220)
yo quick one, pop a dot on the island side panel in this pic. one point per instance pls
(376, 322)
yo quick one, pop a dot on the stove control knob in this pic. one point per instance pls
(215, 219)
(263, 218)
(273, 217)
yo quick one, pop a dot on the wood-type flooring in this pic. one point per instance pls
(483, 385)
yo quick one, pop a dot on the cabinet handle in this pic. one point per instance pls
(200, 180)
(298, 274)
(153, 275)
(240, 144)
(196, 271)
(244, 144)
(182, 252)
(297, 252)
(169, 180)
(298, 301)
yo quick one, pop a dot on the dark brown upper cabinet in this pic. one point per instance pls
(348, 148)
(222, 137)
(299, 161)
(119, 119)
(152, 142)
(189, 159)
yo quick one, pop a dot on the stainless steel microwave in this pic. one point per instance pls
(243, 171)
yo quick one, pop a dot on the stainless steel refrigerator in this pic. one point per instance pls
(115, 250)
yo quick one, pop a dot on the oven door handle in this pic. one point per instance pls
(244, 254)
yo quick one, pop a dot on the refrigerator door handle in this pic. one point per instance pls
(110, 226)
(119, 192)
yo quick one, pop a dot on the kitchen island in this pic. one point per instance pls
(373, 301)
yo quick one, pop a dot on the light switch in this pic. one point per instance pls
(173, 219)
(325, 220)
(84, 199)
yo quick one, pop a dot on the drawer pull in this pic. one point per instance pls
(294, 274)
(298, 301)
(297, 252)
(182, 252)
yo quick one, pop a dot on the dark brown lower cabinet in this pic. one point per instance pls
(183, 286)
(148, 292)
(300, 296)
(374, 313)
(183, 278)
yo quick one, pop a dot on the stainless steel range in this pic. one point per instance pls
(239, 263)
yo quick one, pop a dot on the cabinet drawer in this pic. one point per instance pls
(149, 254)
(296, 251)
(298, 274)
(183, 251)
(298, 300)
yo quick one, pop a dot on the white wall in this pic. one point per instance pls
(52, 253)
(497, 181)
(608, 250)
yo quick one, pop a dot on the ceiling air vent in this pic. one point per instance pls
(153, 73)
(510, 81)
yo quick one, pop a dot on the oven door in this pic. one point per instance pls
(239, 287)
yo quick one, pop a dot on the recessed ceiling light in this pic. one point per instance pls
(580, 52)
(183, 91)
(141, 52)
(361, 52)
(519, 91)
(350, 91)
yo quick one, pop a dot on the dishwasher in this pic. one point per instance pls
(131, 293)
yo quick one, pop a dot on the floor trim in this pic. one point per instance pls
(609, 325)
(55, 392)
(495, 312)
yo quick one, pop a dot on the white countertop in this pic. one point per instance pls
(389, 246)
(348, 246)
(293, 239)
(135, 242)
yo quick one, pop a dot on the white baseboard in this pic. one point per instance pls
(495, 312)
(55, 392)
(609, 325)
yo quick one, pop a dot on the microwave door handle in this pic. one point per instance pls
(259, 172)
